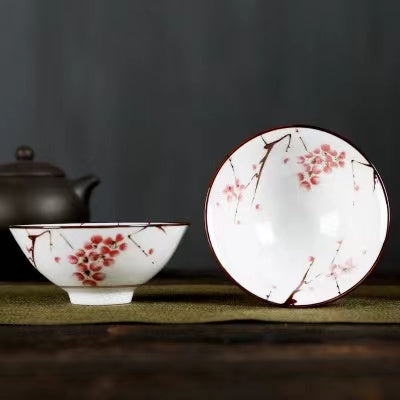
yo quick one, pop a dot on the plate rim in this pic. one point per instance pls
(283, 305)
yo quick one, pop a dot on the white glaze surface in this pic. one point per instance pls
(84, 296)
(99, 263)
(297, 216)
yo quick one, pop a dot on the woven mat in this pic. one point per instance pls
(190, 303)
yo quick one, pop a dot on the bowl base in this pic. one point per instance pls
(100, 296)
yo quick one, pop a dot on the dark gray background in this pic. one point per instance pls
(151, 95)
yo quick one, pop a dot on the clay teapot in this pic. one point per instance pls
(35, 192)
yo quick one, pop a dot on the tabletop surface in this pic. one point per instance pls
(193, 361)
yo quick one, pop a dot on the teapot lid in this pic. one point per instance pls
(25, 166)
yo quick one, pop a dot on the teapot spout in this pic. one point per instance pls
(83, 187)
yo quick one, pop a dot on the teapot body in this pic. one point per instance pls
(33, 201)
(36, 193)
(39, 200)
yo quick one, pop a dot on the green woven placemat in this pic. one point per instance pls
(190, 303)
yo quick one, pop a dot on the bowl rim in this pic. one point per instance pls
(294, 126)
(99, 225)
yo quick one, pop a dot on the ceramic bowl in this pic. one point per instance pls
(297, 216)
(99, 263)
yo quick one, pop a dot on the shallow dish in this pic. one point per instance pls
(99, 263)
(297, 216)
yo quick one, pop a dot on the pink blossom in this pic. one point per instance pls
(318, 160)
(316, 170)
(339, 269)
(325, 147)
(98, 253)
(323, 159)
(305, 185)
(301, 160)
(234, 191)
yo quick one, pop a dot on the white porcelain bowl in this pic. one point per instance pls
(297, 216)
(99, 263)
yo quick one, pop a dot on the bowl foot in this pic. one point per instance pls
(100, 296)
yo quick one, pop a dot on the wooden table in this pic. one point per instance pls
(206, 361)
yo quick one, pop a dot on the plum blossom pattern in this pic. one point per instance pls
(291, 301)
(336, 270)
(313, 166)
(322, 160)
(96, 254)
(364, 164)
(234, 191)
